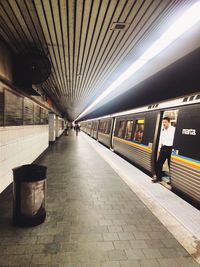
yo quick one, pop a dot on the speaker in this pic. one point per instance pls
(31, 67)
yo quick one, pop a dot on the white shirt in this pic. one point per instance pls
(167, 136)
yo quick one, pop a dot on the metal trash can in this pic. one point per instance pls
(29, 191)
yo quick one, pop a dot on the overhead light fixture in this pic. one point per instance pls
(119, 26)
(183, 24)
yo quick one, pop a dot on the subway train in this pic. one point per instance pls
(135, 134)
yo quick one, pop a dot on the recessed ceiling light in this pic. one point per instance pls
(119, 26)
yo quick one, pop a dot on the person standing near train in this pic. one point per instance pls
(166, 144)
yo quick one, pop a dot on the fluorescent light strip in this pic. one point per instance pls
(164, 104)
(99, 118)
(183, 24)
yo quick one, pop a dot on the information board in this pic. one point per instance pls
(1, 107)
(19, 110)
(28, 111)
(13, 109)
(44, 116)
(37, 114)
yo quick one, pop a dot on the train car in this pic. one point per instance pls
(105, 131)
(135, 135)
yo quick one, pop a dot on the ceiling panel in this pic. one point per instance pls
(76, 35)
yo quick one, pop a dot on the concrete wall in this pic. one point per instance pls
(55, 127)
(52, 127)
(20, 145)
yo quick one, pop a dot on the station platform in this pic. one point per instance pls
(99, 216)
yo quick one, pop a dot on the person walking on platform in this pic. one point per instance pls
(77, 129)
(166, 143)
(67, 130)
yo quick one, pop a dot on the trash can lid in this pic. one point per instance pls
(30, 172)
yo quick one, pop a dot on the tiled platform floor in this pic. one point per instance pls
(93, 219)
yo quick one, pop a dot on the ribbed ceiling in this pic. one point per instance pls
(76, 36)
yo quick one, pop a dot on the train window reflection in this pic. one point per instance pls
(107, 127)
(128, 130)
(101, 126)
(121, 129)
(94, 125)
(139, 130)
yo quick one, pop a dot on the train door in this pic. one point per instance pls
(173, 115)
(112, 132)
(98, 126)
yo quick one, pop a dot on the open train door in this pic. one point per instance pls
(112, 133)
(173, 115)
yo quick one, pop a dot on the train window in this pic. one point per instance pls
(173, 115)
(197, 97)
(104, 127)
(139, 130)
(108, 125)
(101, 126)
(128, 130)
(122, 125)
(95, 126)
